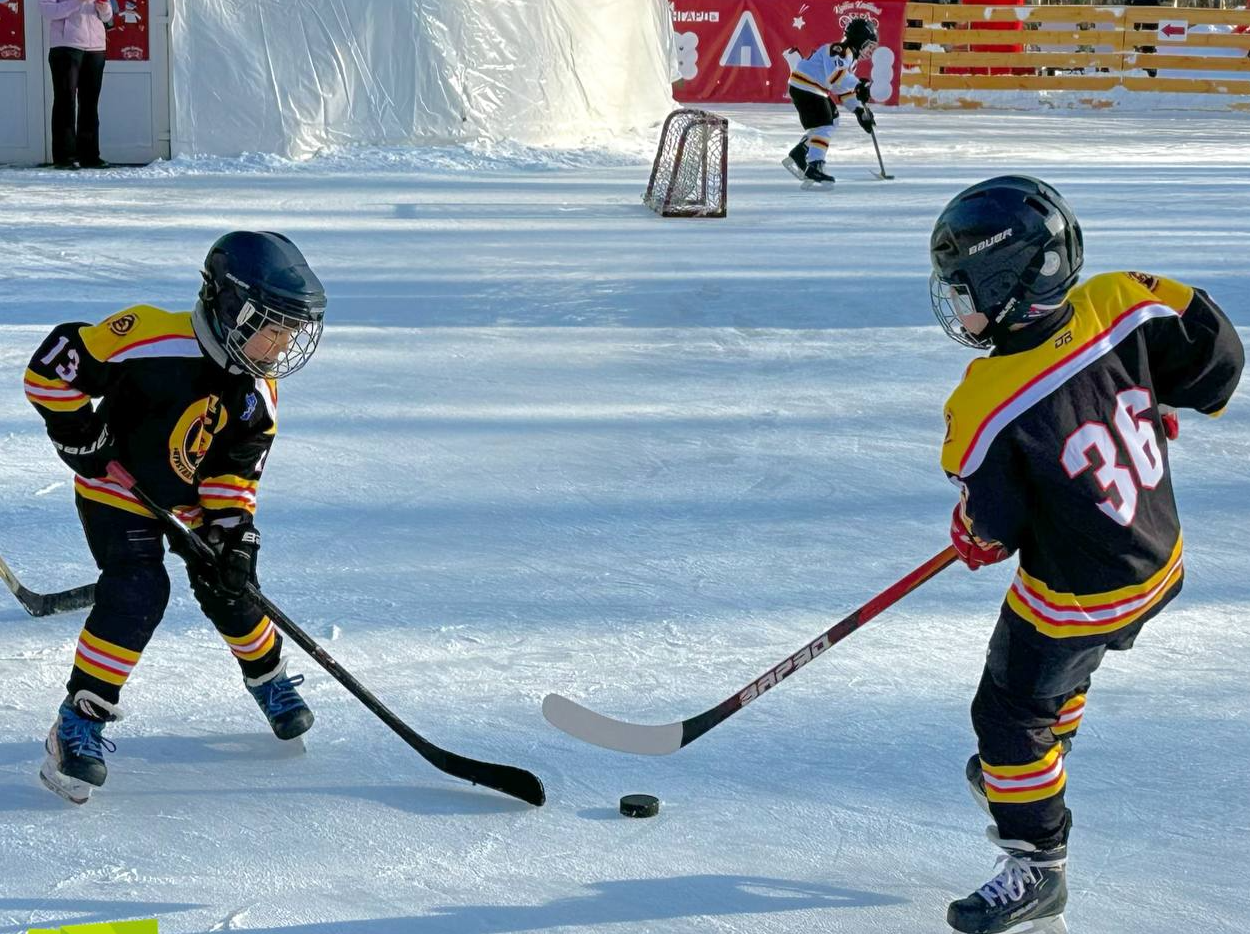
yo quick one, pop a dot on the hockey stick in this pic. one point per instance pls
(504, 778)
(883, 173)
(46, 604)
(660, 740)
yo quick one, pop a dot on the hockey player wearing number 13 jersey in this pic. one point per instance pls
(1058, 443)
(188, 406)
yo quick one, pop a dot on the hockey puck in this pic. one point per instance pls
(640, 805)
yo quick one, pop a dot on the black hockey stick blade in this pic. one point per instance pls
(663, 739)
(47, 604)
(883, 173)
(506, 779)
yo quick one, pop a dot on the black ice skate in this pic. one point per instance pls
(76, 746)
(796, 162)
(277, 698)
(976, 777)
(1027, 896)
(814, 176)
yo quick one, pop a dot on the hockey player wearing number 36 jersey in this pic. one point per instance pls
(188, 405)
(1058, 441)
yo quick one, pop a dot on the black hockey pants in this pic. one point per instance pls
(130, 600)
(1031, 697)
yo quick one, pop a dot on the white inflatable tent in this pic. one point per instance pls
(295, 76)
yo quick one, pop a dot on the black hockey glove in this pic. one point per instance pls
(236, 550)
(865, 119)
(88, 450)
(863, 92)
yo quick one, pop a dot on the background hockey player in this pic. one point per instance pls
(817, 84)
(1058, 442)
(188, 405)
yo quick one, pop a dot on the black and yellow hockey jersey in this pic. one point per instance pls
(194, 435)
(1060, 452)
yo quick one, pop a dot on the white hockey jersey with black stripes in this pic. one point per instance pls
(828, 70)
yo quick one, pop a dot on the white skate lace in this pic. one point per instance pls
(1011, 881)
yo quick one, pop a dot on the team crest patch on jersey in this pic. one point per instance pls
(1149, 281)
(249, 406)
(191, 437)
(122, 325)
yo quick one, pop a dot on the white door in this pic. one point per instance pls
(23, 63)
(134, 98)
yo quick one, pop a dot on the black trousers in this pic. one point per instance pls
(130, 600)
(1032, 694)
(815, 110)
(76, 80)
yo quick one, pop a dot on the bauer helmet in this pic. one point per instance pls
(261, 307)
(1008, 249)
(859, 36)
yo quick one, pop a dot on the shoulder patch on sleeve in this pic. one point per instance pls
(141, 331)
(1145, 279)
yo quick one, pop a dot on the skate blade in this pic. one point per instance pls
(810, 184)
(793, 168)
(71, 789)
(1053, 925)
(982, 801)
(291, 747)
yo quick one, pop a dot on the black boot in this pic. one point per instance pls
(815, 177)
(1026, 896)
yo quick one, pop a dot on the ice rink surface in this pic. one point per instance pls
(552, 442)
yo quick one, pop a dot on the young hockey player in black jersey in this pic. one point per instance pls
(1058, 442)
(819, 82)
(188, 405)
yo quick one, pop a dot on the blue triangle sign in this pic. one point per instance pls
(746, 46)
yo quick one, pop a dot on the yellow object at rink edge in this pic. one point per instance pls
(146, 926)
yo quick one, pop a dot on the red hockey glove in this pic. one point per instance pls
(972, 551)
(1171, 422)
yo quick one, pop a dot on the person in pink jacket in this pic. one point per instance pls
(76, 57)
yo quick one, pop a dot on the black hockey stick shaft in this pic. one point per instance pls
(877, 147)
(696, 726)
(46, 604)
(507, 779)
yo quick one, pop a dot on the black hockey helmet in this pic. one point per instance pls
(261, 307)
(1008, 248)
(859, 34)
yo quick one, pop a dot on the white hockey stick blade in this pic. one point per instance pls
(590, 727)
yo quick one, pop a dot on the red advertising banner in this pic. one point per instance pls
(12, 30)
(128, 39)
(739, 51)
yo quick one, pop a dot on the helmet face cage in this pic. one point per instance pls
(266, 342)
(951, 302)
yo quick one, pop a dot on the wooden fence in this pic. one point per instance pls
(1074, 48)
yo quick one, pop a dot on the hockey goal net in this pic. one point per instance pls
(691, 166)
